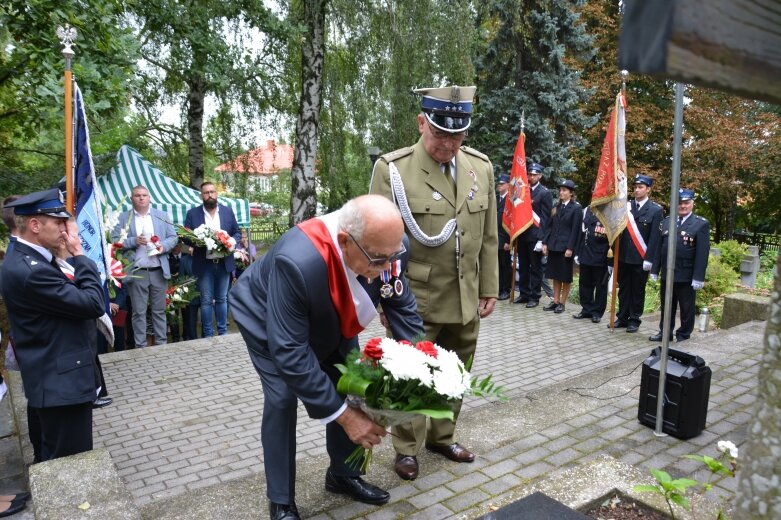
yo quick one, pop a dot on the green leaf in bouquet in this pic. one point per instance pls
(353, 384)
(436, 414)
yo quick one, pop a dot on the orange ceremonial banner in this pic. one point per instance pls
(517, 216)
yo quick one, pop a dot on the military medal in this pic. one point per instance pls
(398, 287)
(436, 195)
(386, 291)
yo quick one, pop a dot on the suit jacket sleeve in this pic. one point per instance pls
(233, 227)
(655, 236)
(81, 298)
(288, 331)
(702, 243)
(575, 229)
(169, 238)
(188, 223)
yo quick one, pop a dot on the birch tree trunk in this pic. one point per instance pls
(195, 103)
(759, 489)
(303, 197)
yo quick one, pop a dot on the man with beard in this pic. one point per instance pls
(212, 269)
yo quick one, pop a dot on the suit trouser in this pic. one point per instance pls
(505, 271)
(461, 339)
(530, 271)
(64, 430)
(278, 434)
(592, 287)
(148, 285)
(631, 292)
(684, 296)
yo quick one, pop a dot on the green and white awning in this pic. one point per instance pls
(167, 195)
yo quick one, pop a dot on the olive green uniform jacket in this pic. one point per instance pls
(434, 273)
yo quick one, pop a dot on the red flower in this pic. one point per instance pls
(155, 239)
(405, 342)
(427, 348)
(372, 349)
(117, 245)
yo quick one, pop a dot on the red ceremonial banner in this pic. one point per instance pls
(517, 216)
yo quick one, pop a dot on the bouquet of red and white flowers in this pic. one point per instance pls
(179, 295)
(217, 241)
(391, 381)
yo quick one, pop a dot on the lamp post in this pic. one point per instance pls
(374, 153)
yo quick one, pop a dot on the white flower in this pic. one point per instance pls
(210, 243)
(177, 297)
(123, 235)
(405, 362)
(185, 289)
(728, 446)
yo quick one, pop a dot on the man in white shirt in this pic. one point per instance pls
(150, 236)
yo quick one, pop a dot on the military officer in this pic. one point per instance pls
(52, 322)
(445, 192)
(530, 258)
(692, 233)
(591, 256)
(505, 267)
(639, 243)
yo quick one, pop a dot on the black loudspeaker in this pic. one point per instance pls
(687, 387)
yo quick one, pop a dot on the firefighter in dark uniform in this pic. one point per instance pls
(505, 267)
(529, 243)
(591, 256)
(692, 233)
(53, 323)
(633, 264)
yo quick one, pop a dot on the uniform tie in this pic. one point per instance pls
(449, 175)
(680, 221)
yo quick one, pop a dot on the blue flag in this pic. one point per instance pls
(89, 206)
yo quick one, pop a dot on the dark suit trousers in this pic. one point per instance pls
(278, 435)
(592, 287)
(505, 271)
(64, 430)
(684, 297)
(631, 292)
(530, 271)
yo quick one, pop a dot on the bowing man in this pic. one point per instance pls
(300, 309)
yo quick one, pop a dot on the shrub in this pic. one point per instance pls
(732, 253)
(719, 280)
(767, 259)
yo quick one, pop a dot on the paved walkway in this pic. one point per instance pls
(184, 427)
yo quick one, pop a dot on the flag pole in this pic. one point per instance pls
(66, 35)
(513, 241)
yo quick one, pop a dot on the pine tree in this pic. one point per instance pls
(529, 62)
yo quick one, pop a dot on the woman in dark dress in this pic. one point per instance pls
(559, 242)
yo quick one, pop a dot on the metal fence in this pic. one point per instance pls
(767, 242)
(265, 232)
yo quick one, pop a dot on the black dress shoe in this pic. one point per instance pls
(283, 511)
(356, 488)
(100, 402)
(680, 338)
(454, 452)
(532, 304)
(579, 316)
(618, 324)
(504, 296)
(632, 327)
(521, 299)
(657, 337)
(559, 308)
(406, 466)
(13, 508)
(596, 319)
(550, 307)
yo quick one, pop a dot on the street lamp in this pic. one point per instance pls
(374, 153)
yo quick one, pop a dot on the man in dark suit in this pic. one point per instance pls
(591, 256)
(639, 243)
(505, 267)
(213, 270)
(530, 241)
(691, 262)
(52, 321)
(300, 309)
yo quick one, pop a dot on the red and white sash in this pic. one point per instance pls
(634, 232)
(352, 303)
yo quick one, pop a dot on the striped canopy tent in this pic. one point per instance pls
(167, 195)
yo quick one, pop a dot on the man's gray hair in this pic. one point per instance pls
(351, 219)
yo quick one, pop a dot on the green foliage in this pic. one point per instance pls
(653, 300)
(720, 279)
(673, 491)
(732, 253)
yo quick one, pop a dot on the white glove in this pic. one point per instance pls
(538, 246)
(654, 277)
(647, 265)
(610, 270)
(577, 260)
(697, 285)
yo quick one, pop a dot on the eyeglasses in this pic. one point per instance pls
(380, 260)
